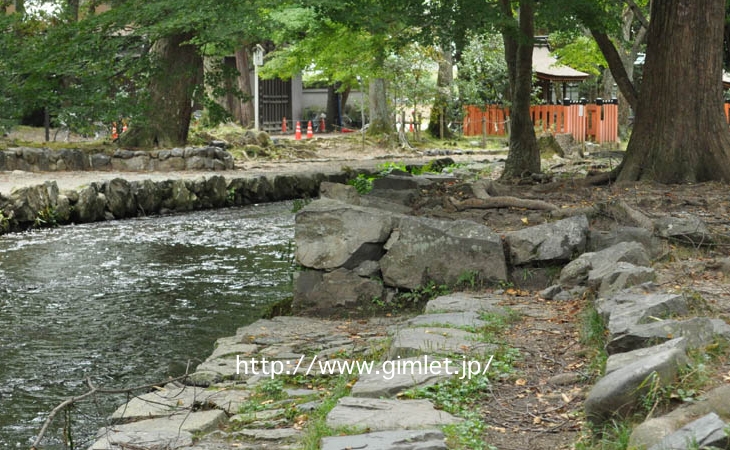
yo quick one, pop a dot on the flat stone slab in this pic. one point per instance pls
(433, 341)
(164, 402)
(229, 400)
(388, 440)
(462, 301)
(556, 241)
(698, 331)
(450, 319)
(196, 422)
(393, 377)
(276, 434)
(381, 415)
(232, 345)
(148, 440)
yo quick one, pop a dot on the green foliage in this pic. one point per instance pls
(300, 203)
(483, 71)
(363, 184)
(316, 427)
(4, 222)
(612, 436)
(578, 51)
(47, 217)
(593, 336)
(424, 293)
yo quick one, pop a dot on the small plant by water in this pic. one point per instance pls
(47, 217)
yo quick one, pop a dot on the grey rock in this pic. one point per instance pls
(192, 422)
(699, 331)
(90, 206)
(30, 203)
(162, 402)
(368, 269)
(388, 440)
(100, 161)
(450, 319)
(380, 415)
(654, 430)
(331, 234)
(416, 253)
(277, 434)
(550, 292)
(464, 301)
(147, 196)
(392, 377)
(170, 164)
(608, 280)
(599, 240)
(619, 360)
(636, 306)
(557, 241)
(721, 328)
(618, 393)
(334, 291)
(341, 192)
(119, 198)
(690, 229)
(432, 341)
(178, 196)
(564, 379)
(113, 439)
(578, 270)
(231, 346)
(707, 431)
(228, 400)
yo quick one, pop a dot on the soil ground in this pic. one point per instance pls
(535, 410)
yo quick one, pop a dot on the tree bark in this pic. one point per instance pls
(444, 81)
(681, 134)
(616, 65)
(379, 116)
(245, 112)
(179, 73)
(524, 155)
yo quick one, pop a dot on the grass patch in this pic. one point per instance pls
(611, 436)
(316, 422)
(593, 336)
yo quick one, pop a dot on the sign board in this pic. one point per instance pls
(258, 55)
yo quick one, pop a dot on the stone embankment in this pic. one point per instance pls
(357, 250)
(31, 159)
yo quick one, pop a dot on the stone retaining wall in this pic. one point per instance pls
(46, 205)
(46, 160)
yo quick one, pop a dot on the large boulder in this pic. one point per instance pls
(30, 203)
(595, 263)
(331, 293)
(706, 432)
(690, 229)
(331, 234)
(120, 200)
(620, 392)
(423, 250)
(90, 205)
(554, 242)
(147, 196)
(699, 331)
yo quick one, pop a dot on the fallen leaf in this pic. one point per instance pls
(536, 420)
(521, 382)
(525, 221)
(566, 398)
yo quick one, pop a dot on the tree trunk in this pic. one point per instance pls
(179, 73)
(444, 81)
(680, 134)
(616, 65)
(332, 111)
(245, 112)
(524, 155)
(379, 116)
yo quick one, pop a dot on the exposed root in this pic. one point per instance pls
(501, 202)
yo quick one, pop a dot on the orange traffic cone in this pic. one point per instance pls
(310, 133)
(321, 125)
(411, 128)
(298, 132)
(124, 127)
(283, 125)
(115, 135)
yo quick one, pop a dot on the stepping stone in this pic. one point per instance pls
(276, 434)
(451, 319)
(698, 331)
(120, 440)
(462, 301)
(164, 402)
(393, 377)
(196, 422)
(388, 440)
(432, 341)
(381, 415)
(619, 360)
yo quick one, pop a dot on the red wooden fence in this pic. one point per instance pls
(597, 123)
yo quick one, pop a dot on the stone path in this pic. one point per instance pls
(219, 408)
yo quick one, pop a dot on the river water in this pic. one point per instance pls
(127, 303)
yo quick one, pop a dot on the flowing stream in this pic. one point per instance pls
(127, 303)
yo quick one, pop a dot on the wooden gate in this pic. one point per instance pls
(275, 103)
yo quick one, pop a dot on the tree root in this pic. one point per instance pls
(624, 213)
(501, 202)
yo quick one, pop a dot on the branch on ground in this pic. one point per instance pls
(501, 202)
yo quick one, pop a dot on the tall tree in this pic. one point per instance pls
(523, 158)
(680, 133)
